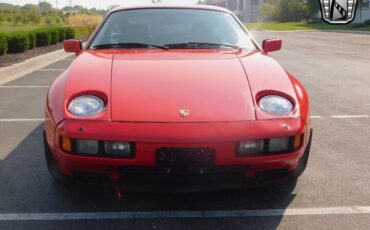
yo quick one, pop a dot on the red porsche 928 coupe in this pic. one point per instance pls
(175, 98)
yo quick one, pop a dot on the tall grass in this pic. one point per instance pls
(84, 24)
(81, 20)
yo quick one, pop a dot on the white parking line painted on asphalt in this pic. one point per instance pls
(340, 116)
(186, 214)
(23, 86)
(350, 116)
(316, 117)
(21, 120)
(50, 69)
(364, 209)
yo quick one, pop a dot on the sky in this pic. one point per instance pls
(101, 4)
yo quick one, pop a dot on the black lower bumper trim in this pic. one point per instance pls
(150, 179)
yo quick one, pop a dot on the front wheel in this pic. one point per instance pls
(52, 164)
(304, 160)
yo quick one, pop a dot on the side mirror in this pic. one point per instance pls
(72, 46)
(271, 45)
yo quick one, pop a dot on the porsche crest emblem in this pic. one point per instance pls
(184, 112)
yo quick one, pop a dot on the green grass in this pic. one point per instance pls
(304, 26)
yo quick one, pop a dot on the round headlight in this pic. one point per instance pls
(275, 104)
(87, 105)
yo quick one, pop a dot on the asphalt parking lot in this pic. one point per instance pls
(333, 193)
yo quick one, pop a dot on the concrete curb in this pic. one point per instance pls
(348, 31)
(283, 31)
(18, 70)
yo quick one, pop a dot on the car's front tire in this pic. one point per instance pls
(304, 160)
(52, 165)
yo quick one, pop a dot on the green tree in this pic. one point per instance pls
(58, 20)
(2, 17)
(9, 19)
(48, 20)
(30, 8)
(313, 8)
(33, 18)
(362, 4)
(67, 9)
(45, 5)
(77, 8)
(284, 10)
(17, 17)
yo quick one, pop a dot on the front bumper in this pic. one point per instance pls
(230, 170)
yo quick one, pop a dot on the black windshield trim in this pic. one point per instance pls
(200, 45)
(128, 45)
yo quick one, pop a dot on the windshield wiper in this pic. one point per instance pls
(128, 45)
(198, 45)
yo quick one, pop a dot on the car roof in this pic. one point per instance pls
(171, 6)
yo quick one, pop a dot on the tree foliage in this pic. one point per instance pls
(313, 8)
(45, 5)
(363, 3)
(285, 10)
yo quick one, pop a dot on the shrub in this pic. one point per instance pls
(54, 33)
(367, 22)
(18, 42)
(70, 33)
(3, 44)
(62, 34)
(43, 37)
(284, 10)
(32, 37)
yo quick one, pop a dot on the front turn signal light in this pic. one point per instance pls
(66, 144)
(298, 141)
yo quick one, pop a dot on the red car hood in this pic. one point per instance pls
(152, 87)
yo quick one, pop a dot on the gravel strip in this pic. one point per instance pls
(11, 59)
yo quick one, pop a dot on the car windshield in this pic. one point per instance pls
(172, 29)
